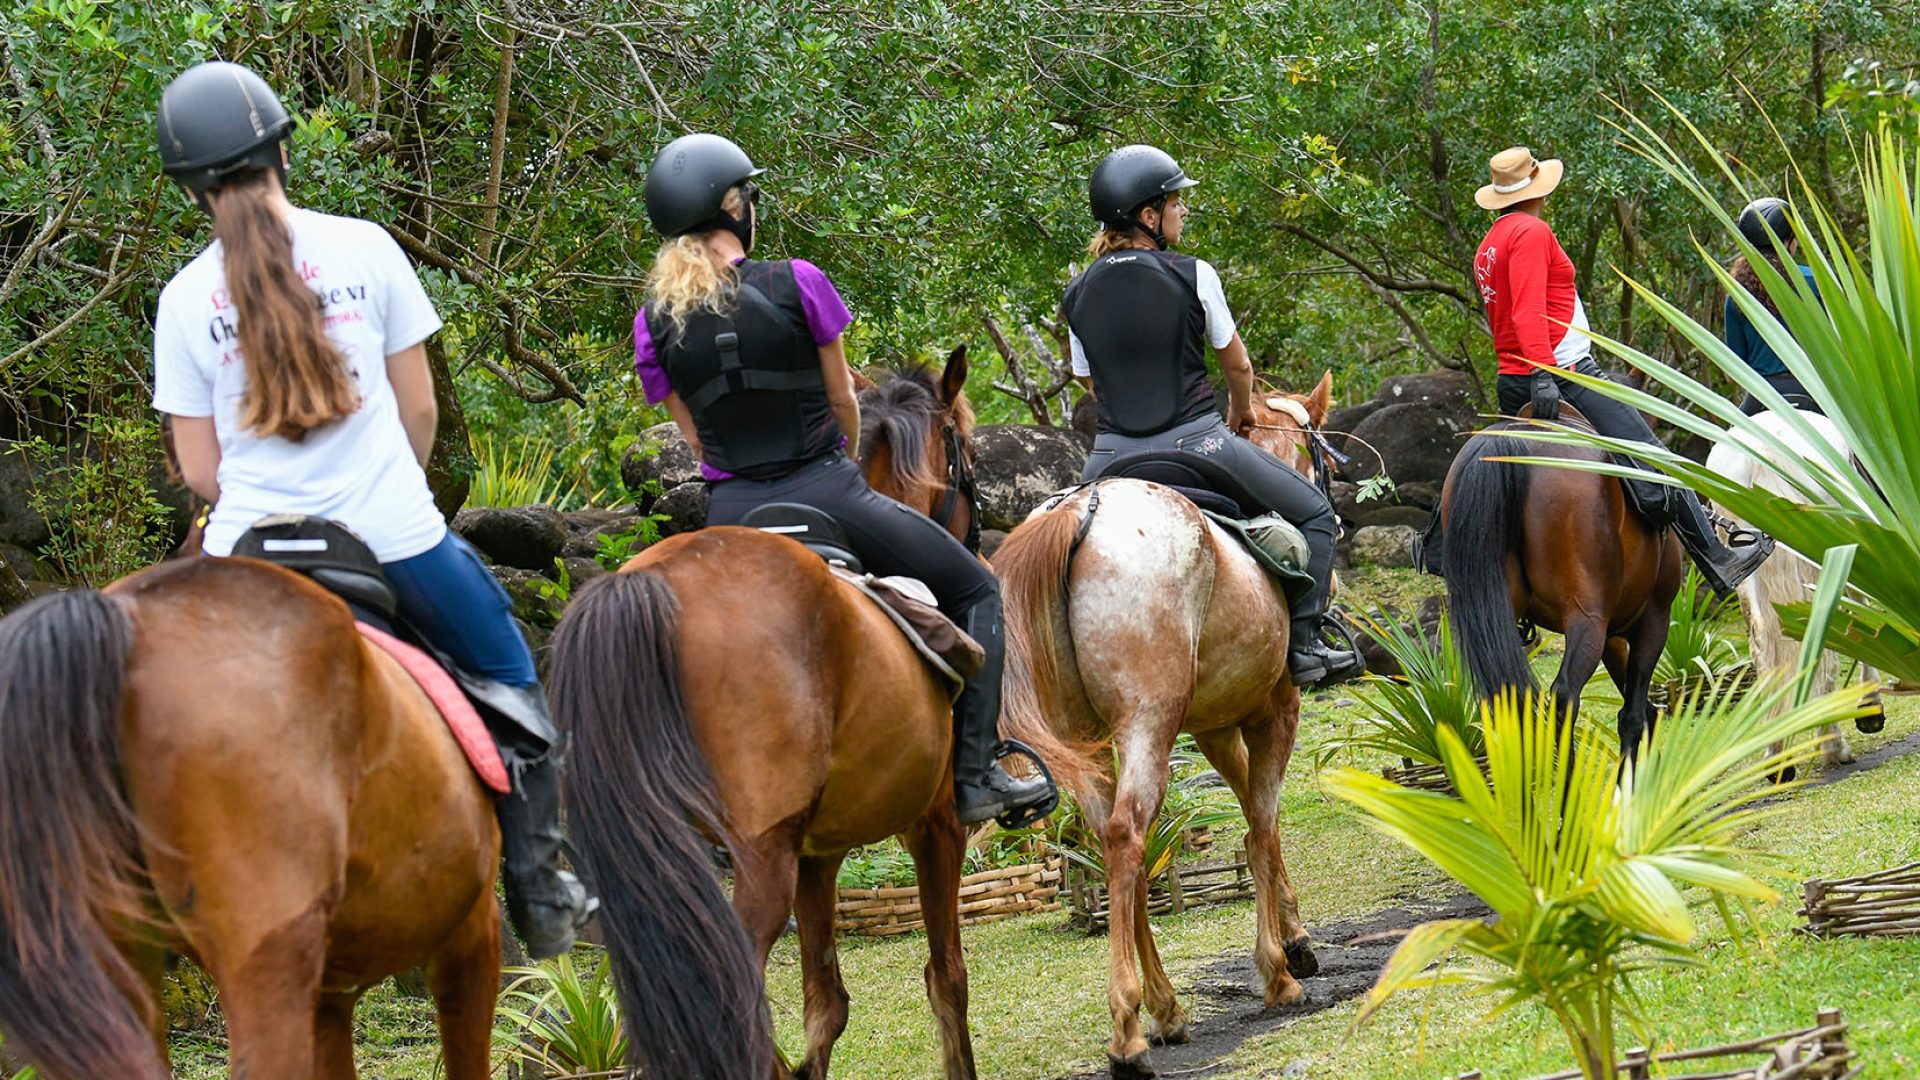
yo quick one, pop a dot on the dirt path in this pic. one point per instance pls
(1226, 1004)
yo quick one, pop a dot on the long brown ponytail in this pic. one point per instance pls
(297, 380)
(1744, 273)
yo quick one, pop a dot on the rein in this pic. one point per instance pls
(1320, 454)
(960, 485)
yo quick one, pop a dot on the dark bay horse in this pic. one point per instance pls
(1127, 624)
(1563, 550)
(207, 757)
(725, 688)
(916, 443)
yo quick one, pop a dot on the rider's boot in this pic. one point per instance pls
(1724, 565)
(547, 905)
(981, 788)
(1310, 659)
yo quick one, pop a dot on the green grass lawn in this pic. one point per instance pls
(1038, 997)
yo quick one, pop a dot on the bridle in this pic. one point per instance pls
(1318, 452)
(960, 485)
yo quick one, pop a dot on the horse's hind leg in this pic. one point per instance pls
(465, 979)
(1645, 641)
(1586, 644)
(269, 996)
(826, 995)
(1280, 937)
(333, 1037)
(1145, 739)
(938, 843)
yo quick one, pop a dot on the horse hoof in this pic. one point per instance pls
(803, 1071)
(1289, 993)
(1176, 1035)
(1869, 723)
(1786, 775)
(1130, 1068)
(1301, 962)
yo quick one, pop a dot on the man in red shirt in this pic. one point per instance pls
(1538, 324)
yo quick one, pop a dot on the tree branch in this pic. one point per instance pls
(1375, 277)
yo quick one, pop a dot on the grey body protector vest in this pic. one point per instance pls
(751, 377)
(1139, 318)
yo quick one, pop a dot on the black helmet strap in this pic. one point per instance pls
(741, 227)
(1153, 232)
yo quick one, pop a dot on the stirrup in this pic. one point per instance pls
(1023, 816)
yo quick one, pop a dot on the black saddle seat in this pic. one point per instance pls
(330, 554)
(811, 526)
(1201, 479)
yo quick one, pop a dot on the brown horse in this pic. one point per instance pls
(1561, 549)
(207, 757)
(916, 444)
(725, 688)
(1128, 624)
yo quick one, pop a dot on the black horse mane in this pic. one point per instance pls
(899, 412)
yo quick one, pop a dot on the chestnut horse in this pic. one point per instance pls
(1561, 549)
(1128, 623)
(916, 444)
(725, 688)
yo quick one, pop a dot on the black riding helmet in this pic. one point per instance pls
(1128, 179)
(689, 181)
(218, 121)
(1764, 219)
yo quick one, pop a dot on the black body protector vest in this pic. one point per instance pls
(751, 377)
(1138, 316)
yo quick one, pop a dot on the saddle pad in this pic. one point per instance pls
(1275, 544)
(461, 717)
(907, 603)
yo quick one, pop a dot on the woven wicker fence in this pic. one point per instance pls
(1168, 894)
(988, 896)
(1424, 777)
(1886, 904)
(1816, 1053)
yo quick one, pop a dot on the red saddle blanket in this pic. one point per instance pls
(461, 717)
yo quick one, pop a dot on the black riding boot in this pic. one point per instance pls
(547, 905)
(981, 787)
(1724, 565)
(1310, 658)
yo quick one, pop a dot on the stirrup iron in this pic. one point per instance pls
(1022, 817)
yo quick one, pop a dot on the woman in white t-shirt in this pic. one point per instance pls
(291, 356)
(1141, 320)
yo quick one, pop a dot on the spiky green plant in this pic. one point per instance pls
(519, 473)
(1585, 873)
(1695, 651)
(1855, 346)
(563, 1019)
(1402, 715)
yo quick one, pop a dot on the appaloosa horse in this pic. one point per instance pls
(725, 688)
(1562, 549)
(208, 757)
(1130, 621)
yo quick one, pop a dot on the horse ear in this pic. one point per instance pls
(861, 384)
(1320, 400)
(954, 379)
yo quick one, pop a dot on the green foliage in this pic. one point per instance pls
(1197, 798)
(1696, 651)
(518, 474)
(1583, 870)
(1403, 715)
(563, 1019)
(1853, 347)
(616, 548)
(95, 489)
(877, 866)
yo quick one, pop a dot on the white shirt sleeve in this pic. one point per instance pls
(1077, 356)
(181, 386)
(410, 318)
(1213, 298)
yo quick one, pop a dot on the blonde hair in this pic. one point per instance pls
(685, 278)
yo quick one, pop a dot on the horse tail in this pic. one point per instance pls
(645, 812)
(1033, 563)
(69, 856)
(1483, 529)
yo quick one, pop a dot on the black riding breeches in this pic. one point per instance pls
(1280, 488)
(1788, 387)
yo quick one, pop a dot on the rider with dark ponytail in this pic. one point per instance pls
(747, 356)
(1762, 221)
(1142, 319)
(290, 355)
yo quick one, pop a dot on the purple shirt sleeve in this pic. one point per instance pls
(827, 314)
(646, 362)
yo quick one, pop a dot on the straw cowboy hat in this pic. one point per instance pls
(1517, 177)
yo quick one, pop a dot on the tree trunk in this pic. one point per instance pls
(450, 466)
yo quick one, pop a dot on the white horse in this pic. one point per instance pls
(1789, 576)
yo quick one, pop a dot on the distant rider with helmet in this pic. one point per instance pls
(1762, 221)
(748, 357)
(1141, 319)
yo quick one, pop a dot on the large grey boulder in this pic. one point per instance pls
(1018, 466)
(1425, 623)
(1413, 427)
(527, 537)
(1383, 545)
(657, 462)
(684, 507)
(20, 523)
